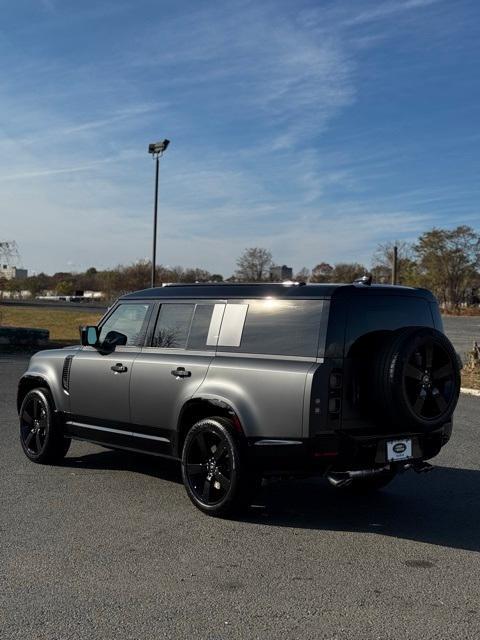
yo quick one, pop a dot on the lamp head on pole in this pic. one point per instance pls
(158, 148)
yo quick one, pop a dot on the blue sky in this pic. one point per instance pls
(315, 129)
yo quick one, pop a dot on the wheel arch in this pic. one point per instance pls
(198, 408)
(29, 382)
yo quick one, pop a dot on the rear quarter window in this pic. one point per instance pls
(279, 327)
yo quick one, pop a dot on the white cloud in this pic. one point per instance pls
(385, 10)
(246, 92)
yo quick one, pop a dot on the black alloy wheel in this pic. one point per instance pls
(429, 381)
(213, 468)
(42, 440)
(209, 466)
(416, 379)
(34, 424)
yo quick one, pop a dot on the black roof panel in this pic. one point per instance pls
(277, 290)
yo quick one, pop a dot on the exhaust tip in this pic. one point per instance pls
(339, 478)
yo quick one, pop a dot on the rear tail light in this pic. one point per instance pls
(335, 380)
(335, 384)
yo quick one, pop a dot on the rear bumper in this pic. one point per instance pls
(344, 450)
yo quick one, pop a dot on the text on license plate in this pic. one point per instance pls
(399, 449)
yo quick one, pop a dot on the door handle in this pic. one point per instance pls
(119, 368)
(180, 372)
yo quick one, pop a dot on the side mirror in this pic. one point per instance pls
(113, 339)
(89, 336)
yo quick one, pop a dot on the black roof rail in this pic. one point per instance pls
(231, 284)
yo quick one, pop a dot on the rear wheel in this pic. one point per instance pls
(41, 437)
(213, 468)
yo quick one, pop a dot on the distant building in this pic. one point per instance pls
(24, 294)
(12, 273)
(94, 295)
(78, 296)
(279, 274)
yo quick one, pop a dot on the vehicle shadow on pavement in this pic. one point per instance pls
(441, 507)
(117, 460)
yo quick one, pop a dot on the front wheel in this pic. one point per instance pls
(41, 438)
(213, 468)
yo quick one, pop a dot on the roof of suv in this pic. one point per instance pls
(274, 289)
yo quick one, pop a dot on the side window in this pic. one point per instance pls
(274, 327)
(129, 319)
(173, 325)
(205, 326)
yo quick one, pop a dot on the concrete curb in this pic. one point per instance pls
(470, 392)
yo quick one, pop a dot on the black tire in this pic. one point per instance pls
(416, 379)
(360, 486)
(213, 468)
(40, 434)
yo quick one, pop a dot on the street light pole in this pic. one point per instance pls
(157, 150)
(155, 212)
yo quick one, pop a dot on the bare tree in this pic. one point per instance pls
(382, 262)
(254, 265)
(303, 275)
(167, 337)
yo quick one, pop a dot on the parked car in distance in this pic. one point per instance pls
(238, 381)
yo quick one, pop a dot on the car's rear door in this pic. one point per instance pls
(170, 369)
(266, 349)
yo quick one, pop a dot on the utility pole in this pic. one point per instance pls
(395, 265)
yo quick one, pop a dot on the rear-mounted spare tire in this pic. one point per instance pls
(416, 379)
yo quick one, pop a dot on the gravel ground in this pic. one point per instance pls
(109, 546)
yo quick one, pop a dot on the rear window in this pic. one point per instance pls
(387, 313)
(274, 327)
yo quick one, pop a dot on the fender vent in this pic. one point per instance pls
(66, 372)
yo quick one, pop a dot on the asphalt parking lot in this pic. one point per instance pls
(462, 331)
(109, 546)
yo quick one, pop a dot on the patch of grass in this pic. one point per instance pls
(471, 370)
(471, 379)
(62, 323)
(466, 312)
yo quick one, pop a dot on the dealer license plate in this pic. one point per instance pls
(399, 450)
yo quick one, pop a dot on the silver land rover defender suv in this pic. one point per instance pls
(239, 381)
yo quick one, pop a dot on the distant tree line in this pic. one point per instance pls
(446, 261)
(111, 282)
